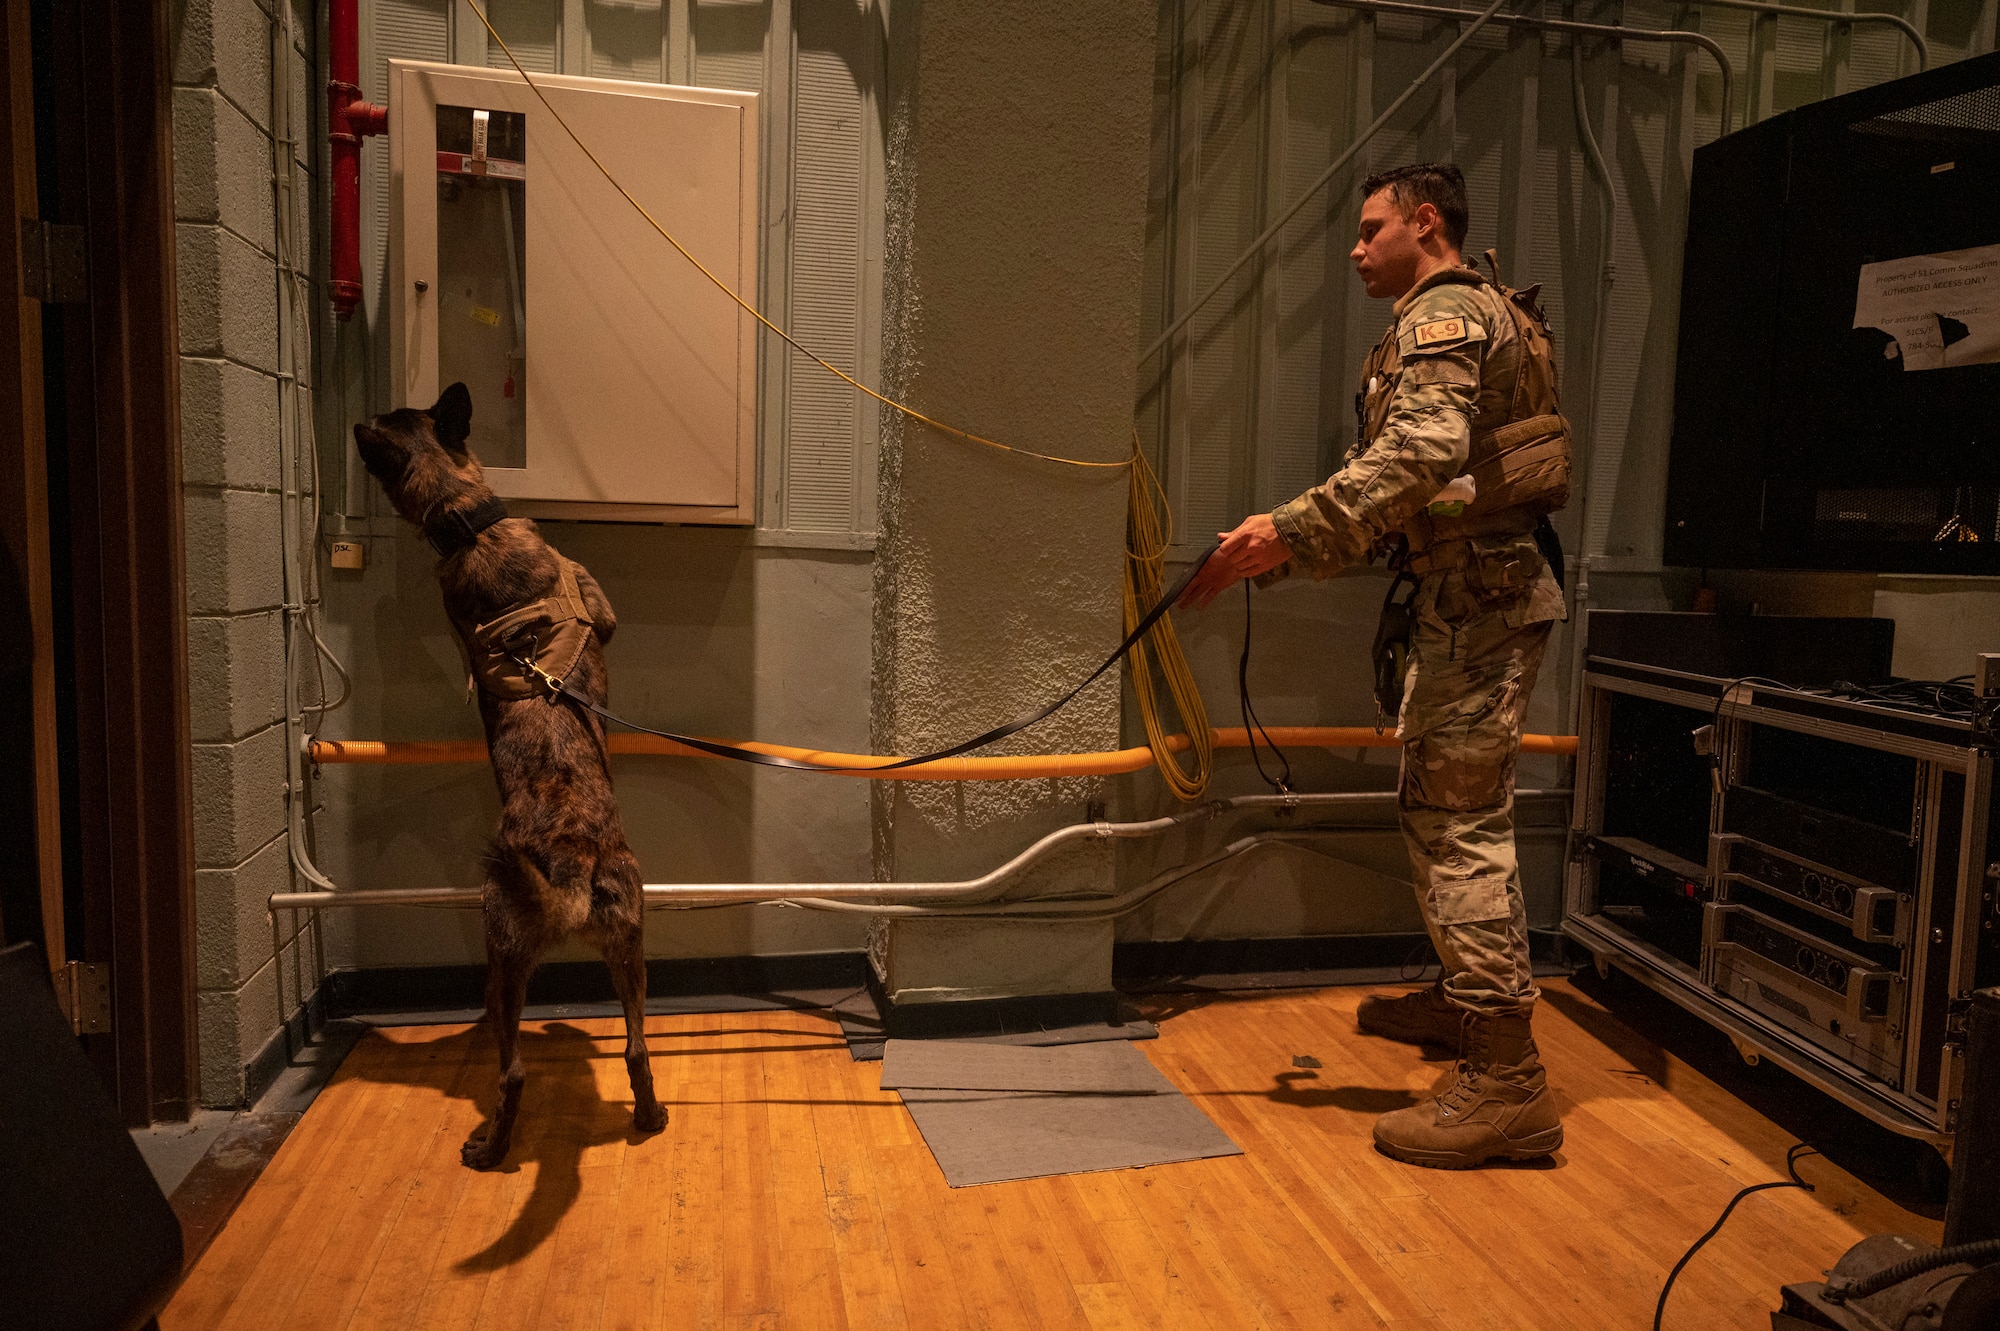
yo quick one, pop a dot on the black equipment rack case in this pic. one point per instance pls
(1820, 885)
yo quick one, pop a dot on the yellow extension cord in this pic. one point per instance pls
(1146, 541)
(1145, 538)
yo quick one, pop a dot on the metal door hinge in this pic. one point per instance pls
(84, 991)
(52, 262)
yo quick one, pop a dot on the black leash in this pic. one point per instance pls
(1252, 727)
(1018, 724)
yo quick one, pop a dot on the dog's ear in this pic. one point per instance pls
(451, 418)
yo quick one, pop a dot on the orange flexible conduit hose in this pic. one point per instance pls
(1021, 768)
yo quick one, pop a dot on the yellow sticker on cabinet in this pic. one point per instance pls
(491, 318)
(1439, 330)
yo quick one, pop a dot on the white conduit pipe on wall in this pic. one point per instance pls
(1675, 35)
(297, 534)
(924, 897)
(1832, 16)
(1474, 21)
(1607, 270)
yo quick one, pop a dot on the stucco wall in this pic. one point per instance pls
(1018, 169)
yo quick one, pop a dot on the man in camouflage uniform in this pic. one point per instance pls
(1485, 598)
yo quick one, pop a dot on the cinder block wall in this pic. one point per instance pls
(225, 234)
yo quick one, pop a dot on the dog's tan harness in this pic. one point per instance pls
(529, 651)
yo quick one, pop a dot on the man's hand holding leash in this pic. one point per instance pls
(1253, 548)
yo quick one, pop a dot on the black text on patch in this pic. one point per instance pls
(1439, 330)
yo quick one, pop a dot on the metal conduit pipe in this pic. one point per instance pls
(705, 894)
(1099, 908)
(1607, 233)
(1679, 35)
(1832, 16)
(1473, 21)
(1110, 908)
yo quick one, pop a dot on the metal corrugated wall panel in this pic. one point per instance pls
(627, 39)
(394, 30)
(1651, 103)
(529, 27)
(1308, 271)
(729, 44)
(828, 195)
(1229, 156)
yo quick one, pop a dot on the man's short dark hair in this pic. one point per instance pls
(1440, 184)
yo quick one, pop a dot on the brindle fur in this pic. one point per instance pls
(560, 865)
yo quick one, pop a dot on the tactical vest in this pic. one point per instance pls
(1520, 455)
(550, 632)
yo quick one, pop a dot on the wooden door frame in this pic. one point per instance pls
(24, 514)
(107, 94)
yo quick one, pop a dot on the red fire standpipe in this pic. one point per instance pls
(349, 120)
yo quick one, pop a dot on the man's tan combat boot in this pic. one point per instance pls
(1424, 1017)
(1498, 1107)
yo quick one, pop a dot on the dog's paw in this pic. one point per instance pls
(482, 1151)
(649, 1117)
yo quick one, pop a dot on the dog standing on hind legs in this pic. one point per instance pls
(560, 866)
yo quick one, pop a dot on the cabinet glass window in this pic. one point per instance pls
(482, 185)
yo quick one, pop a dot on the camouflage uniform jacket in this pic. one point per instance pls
(1460, 353)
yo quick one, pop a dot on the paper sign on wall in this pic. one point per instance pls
(1941, 309)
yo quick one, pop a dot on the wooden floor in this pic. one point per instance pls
(789, 1192)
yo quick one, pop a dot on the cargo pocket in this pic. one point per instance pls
(1502, 583)
(1470, 900)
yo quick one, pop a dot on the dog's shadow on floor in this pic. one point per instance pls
(565, 1118)
(574, 1104)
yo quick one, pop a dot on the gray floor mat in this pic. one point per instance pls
(982, 1136)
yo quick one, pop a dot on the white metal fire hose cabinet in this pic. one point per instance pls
(610, 380)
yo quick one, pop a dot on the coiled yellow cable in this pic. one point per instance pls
(1147, 536)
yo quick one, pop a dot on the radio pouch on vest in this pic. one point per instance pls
(1392, 648)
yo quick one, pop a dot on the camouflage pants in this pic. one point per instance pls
(1474, 653)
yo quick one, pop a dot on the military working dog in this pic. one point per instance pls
(560, 865)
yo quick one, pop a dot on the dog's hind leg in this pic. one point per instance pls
(506, 992)
(625, 953)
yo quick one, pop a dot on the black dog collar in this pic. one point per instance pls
(457, 529)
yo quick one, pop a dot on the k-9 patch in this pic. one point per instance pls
(1439, 331)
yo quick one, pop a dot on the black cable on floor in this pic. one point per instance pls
(1791, 1167)
(1252, 727)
